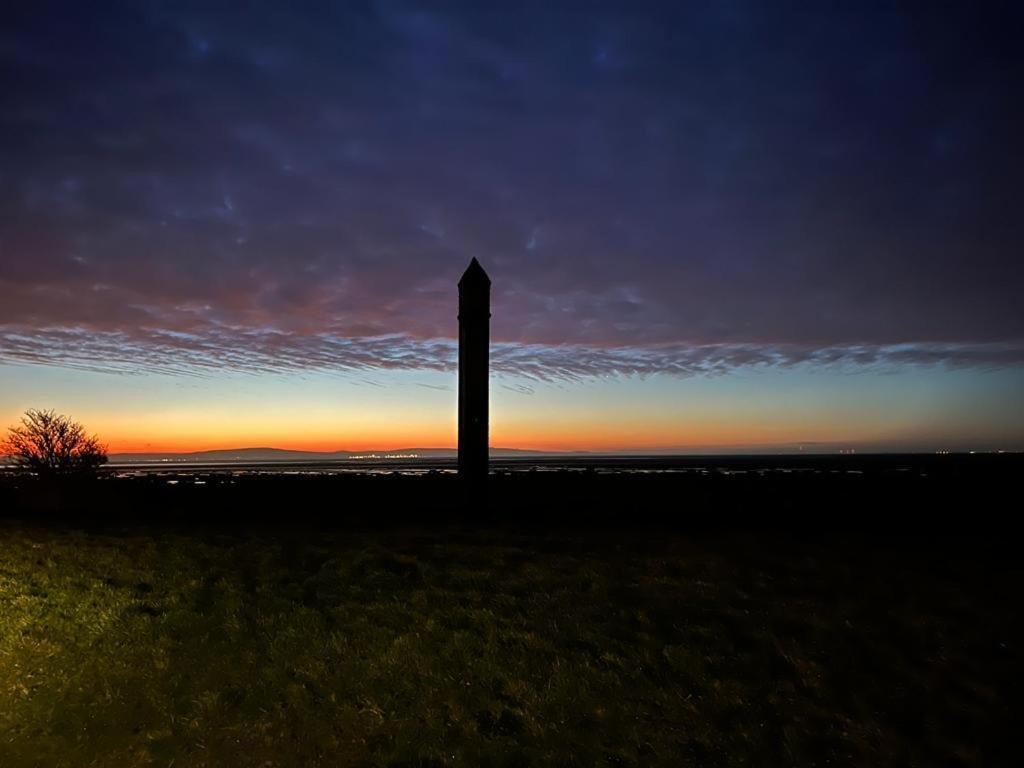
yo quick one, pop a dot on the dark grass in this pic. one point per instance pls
(498, 647)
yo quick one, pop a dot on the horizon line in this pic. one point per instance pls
(784, 449)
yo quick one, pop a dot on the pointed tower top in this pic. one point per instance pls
(474, 275)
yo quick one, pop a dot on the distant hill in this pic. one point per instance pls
(227, 455)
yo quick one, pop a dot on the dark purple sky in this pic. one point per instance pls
(658, 185)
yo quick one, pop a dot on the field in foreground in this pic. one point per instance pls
(494, 649)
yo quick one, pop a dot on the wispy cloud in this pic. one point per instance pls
(277, 352)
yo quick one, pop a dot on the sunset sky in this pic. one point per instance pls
(710, 227)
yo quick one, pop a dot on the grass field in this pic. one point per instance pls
(488, 649)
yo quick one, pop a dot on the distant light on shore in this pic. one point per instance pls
(386, 456)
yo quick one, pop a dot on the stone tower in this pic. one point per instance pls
(474, 341)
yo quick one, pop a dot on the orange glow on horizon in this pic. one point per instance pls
(189, 443)
(392, 419)
(392, 429)
(577, 436)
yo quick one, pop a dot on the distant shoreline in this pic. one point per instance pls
(525, 460)
(552, 462)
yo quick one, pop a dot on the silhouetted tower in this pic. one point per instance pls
(474, 341)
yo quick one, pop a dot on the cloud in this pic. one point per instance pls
(186, 188)
(275, 352)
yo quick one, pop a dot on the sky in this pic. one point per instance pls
(720, 226)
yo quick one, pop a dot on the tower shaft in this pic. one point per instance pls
(474, 344)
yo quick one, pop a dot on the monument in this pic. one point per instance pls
(474, 341)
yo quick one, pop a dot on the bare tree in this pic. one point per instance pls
(50, 444)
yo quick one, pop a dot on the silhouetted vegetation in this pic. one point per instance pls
(53, 445)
